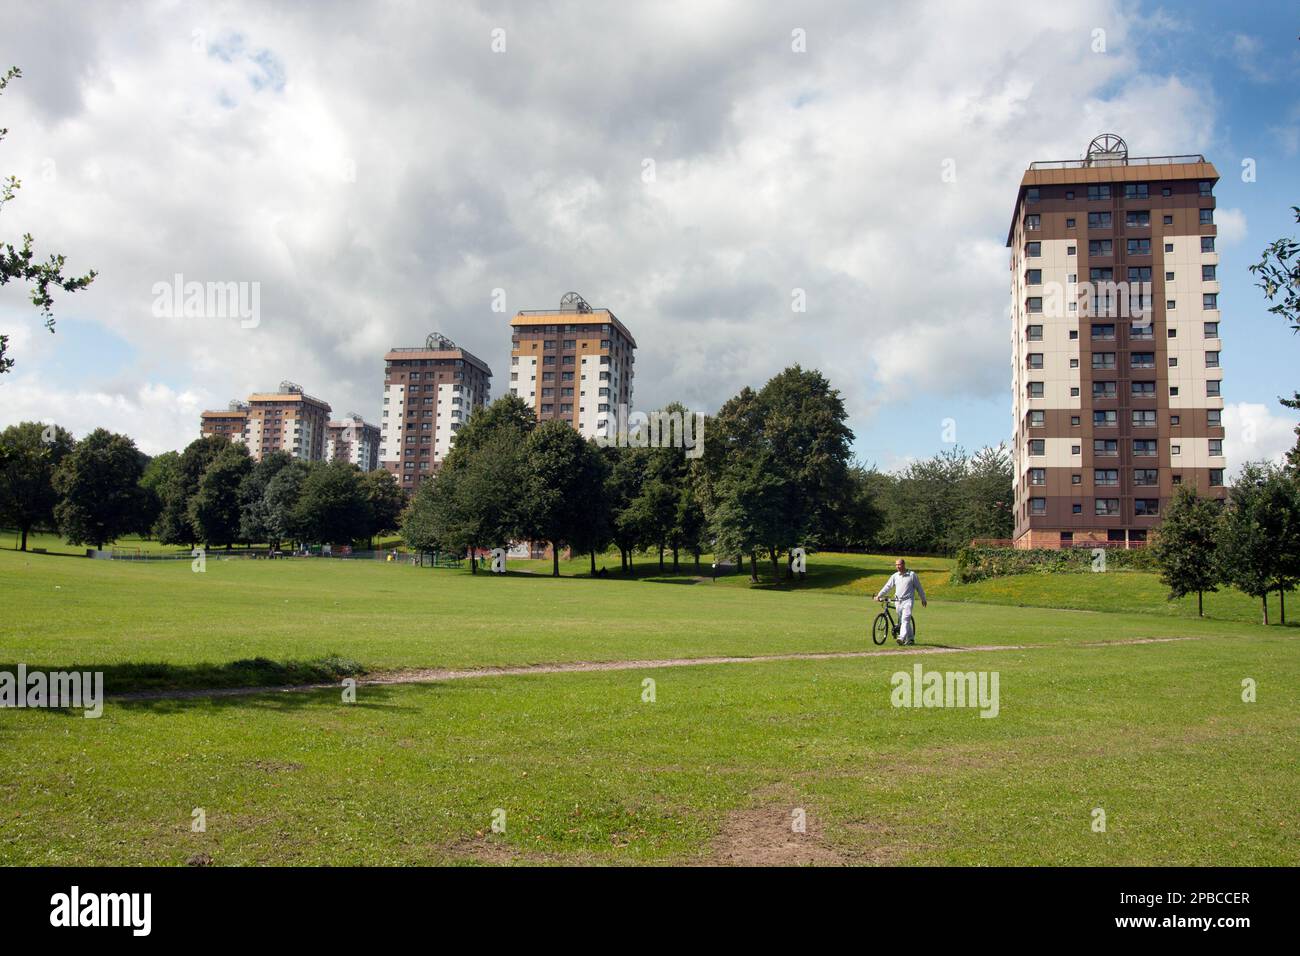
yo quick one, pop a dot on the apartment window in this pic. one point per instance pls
(1034, 304)
(1098, 192)
(1076, 479)
(548, 376)
(1169, 304)
(1214, 418)
(1033, 250)
(1031, 194)
(1105, 418)
(1166, 191)
(1034, 276)
(1140, 218)
(548, 344)
(1038, 506)
(1173, 333)
(1035, 359)
(1176, 479)
(1037, 418)
(1069, 223)
(548, 359)
(1209, 273)
(1074, 420)
(1069, 194)
(1105, 447)
(1207, 217)
(1074, 391)
(1139, 247)
(570, 343)
(1071, 250)
(1212, 388)
(1204, 188)
(1211, 359)
(1175, 420)
(1071, 278)
(1216, 477)
(1135, 190)
(1099, 247)
(1146, 507)
(1144, 447)
(1106, 331)
(1146, 476)
(1169, 247)
(1216, 447)
(1168, 220)
(1207, 243)
(1142, 331)
(1106, 506)
(1144, 418)
(1098, 220)
(1102, 274)
(1142, 389)
(1142, 360)
(1103, 390)
(1075, 449)
(1173, 390)
(1077, 509)
(1033, 222)
(1103, 359)
(1038, 476)
(1038, 446)
(1105, 476)
(1034, 333)
(1211, 330)
(1210, 300)
(1074, 333)
(1074, 363)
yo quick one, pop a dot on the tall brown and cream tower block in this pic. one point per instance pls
(573, 363)
(429, 393)
(1116, 371)
(284, 420)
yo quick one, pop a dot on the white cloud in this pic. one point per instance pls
(775, 170)
(1232, 226)
(1256, 432)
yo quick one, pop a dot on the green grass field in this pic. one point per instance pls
(586, 771)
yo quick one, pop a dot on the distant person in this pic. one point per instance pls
(905, 585)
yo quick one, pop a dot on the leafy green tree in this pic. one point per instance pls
(174, 525)
(30, 454)
(625, 473)
(1278, 271)
(387, 502)
(562, 476)
(158, 475)
(1260, 537)
(332, 507)
(280, 503)
(20, 264)
(215, 508)
(99, 483)
(509, 414)
(254, 511)
(1186, 547)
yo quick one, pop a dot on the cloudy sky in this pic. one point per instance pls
(380, 172)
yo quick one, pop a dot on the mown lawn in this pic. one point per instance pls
(1156, 735)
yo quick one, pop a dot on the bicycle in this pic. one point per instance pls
(885, 626)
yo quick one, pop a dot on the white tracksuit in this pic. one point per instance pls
(905, 586)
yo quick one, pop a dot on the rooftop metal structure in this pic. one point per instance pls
(1109, 149)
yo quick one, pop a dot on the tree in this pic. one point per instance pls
(19, 264)
(30, 454)
(387, 502)
(215, 508)
(1259, 546)
(99, 482)
(1278, 270)
(1186, 547)
(158, 475)
(562, 477)
(280, 504)
(624, 476)
(332, 507)
(174, 525)
(254, 511)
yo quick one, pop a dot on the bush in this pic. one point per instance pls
(977, 564)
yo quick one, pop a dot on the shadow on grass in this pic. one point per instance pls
(254, 672)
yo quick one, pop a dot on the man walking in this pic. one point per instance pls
(905, 585)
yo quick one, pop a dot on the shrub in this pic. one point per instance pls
(977, 564)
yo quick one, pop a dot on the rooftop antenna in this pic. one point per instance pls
(572, 302)
(1108, 149)
(437, 342)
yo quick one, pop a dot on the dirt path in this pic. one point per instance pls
(430, 676)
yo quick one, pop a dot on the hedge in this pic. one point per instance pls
(977, 564)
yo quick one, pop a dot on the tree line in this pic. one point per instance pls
(102, 488)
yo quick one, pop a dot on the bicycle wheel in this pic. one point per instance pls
(880, 629)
